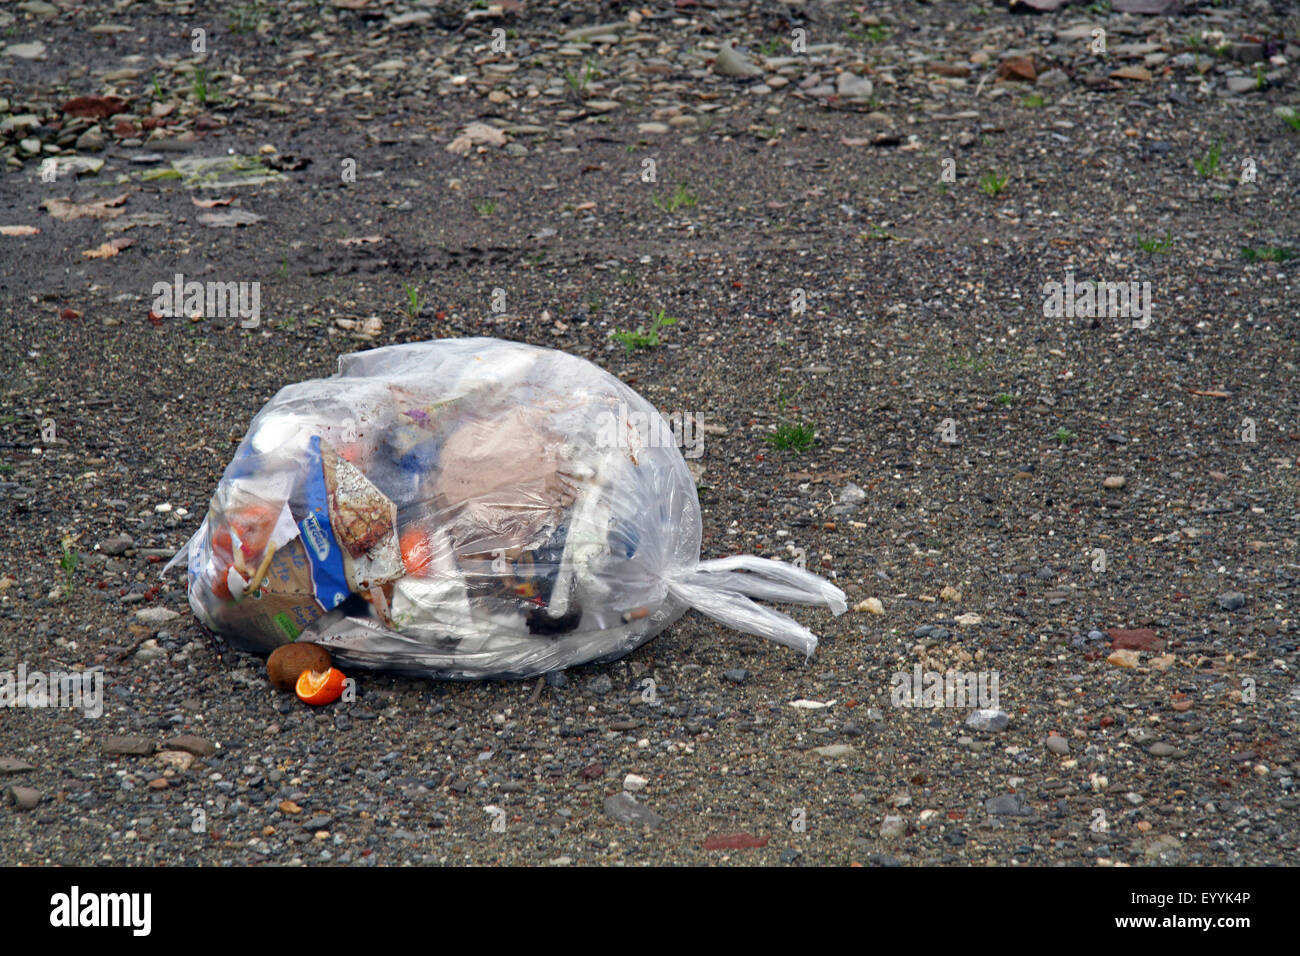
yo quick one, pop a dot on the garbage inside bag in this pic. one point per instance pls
(469, 508)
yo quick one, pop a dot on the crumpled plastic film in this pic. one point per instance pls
(469, 508)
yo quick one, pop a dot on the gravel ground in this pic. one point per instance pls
(1101, 512)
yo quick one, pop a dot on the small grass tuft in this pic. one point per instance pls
(1209, 165)
(792, 436)
(643, 338)
(68, 562)
(1267, 254)
(413, 302)
(679, 198)
(992, 184)
(1155, 243)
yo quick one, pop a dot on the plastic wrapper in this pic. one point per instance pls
(469, 508)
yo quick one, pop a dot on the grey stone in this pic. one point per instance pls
(76, 166)
(730, 62)
(149, 652)
(585, 33)
(1231, 600)
(20, 122)
(851, 494)
(155, 615)
(1058, 745)
(988, 720)
(91, 141)
(624, 808)
(853, 87)
(25, 51)
(833, 750)
(410, 19)
(1008, 805)
(1246, 52)
(10, 765)
(24, 798)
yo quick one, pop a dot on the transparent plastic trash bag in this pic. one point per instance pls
(469, 508)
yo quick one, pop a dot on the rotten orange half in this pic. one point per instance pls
(320, 687)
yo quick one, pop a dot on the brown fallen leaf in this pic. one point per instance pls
(474, 134)
(360, 240)
(95, 107)
(949, 69)
(211, 203)
(1209, 393)
(1017, 68)
(1139, 73)
(108, 249)
(65, 209)
(18, 230)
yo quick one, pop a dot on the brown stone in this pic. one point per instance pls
(1139, 639)
(191, 745)
(1017, 68)
(949, 69)
(128, 746)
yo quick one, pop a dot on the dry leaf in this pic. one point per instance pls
(209, 203)
(360, 240)
(18, 230)
(108, 249)
(475, 134)
(95, 107)
(1209, 393)
(229, 219)
(65, 209)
